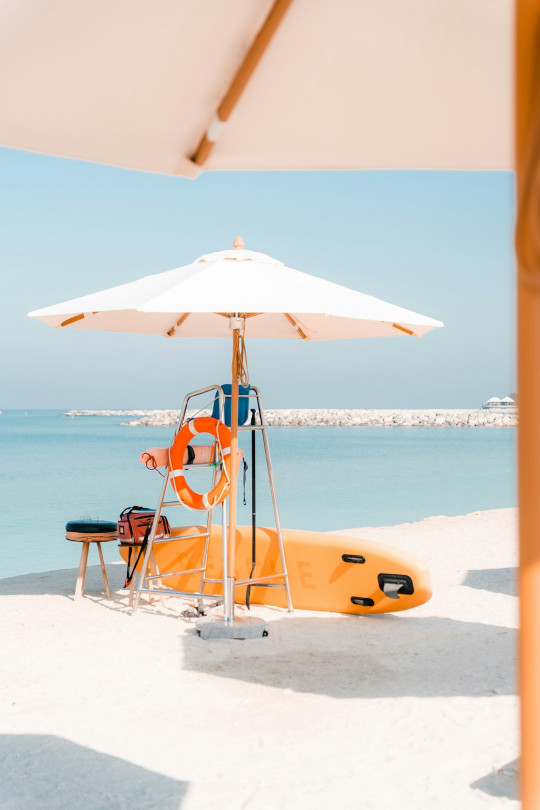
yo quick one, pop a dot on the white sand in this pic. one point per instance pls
(413, 710)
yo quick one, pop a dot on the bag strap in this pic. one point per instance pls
(130, 574)
(129, 509)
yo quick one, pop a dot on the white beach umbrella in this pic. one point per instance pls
(175, 85)
(237, 293)
(278, 302)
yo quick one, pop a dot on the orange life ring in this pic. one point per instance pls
(197, 500)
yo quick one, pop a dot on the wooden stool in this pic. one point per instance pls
(86, 532)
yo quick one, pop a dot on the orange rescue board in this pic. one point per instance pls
(331, 572)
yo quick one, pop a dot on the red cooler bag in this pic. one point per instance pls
(135, 524)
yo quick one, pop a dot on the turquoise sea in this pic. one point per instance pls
(56, 469)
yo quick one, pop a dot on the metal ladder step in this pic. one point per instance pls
(174, 574)
(259, 580)
(267, 585)
(173, 537)
(171, 592)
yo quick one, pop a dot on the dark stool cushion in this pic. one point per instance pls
(91, 526)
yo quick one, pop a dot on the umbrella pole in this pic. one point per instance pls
(229, 626)
(229, 617)
(527, 242)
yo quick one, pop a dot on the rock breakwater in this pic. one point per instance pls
(334, 417)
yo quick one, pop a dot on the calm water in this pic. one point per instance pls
(56, 469)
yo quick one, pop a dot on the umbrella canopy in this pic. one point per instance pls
(175, 85)
(280, 302)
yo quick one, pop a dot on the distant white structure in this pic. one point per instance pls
(494, 403)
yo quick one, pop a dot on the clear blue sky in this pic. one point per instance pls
(435, 242)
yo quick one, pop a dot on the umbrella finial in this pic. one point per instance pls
(238, 243)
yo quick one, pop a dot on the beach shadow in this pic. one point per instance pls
(496, 580)
(62, 582)
(46, 772)
(503, 783)
(367, 657)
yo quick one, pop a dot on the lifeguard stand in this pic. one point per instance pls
(147, 581)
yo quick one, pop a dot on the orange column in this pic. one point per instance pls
(528, 251)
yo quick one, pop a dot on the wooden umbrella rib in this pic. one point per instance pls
(178, 323)
(73, 319)
(241, 79)
(403, 329)
(76, 318)
(298, 329)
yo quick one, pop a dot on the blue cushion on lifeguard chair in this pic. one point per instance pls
(243, 404)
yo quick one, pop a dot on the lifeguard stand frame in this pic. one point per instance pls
(269, 581)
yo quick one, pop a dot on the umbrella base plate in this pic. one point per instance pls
(244, 627)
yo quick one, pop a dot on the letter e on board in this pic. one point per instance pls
(305, 573)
